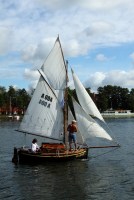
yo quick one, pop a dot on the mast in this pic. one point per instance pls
(65, 111)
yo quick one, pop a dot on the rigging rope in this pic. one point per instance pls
(103, 153)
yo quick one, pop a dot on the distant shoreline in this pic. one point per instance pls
(7, 117)
(117, 115)
(105, 116)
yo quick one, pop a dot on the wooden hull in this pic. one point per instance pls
(42, 157)
(48, 154)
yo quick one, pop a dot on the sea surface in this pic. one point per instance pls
(108, 174)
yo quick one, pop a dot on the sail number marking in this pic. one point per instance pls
(45, 100)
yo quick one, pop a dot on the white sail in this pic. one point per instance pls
(54, 67)
(85, 100)
(87, 125)
(44, 115)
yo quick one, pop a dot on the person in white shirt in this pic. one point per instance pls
(34, 146)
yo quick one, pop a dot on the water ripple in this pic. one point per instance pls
(109, 176)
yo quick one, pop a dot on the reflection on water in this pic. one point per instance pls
(110, 176)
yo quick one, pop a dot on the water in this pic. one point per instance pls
(106, 175)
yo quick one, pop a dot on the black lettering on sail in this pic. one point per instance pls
(48, 106)
(46, 97)
(42, 96)
(44, 103)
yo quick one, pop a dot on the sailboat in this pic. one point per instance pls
(49, 114)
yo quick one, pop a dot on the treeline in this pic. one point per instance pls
(115, 97)
(111, 97)
(13, 101)
(107, 97)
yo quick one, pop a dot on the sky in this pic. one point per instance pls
(97, 37)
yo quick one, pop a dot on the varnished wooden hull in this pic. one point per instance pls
(24, 156)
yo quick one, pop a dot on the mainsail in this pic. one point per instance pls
(55, 68)
(85, 100)
(44, 115)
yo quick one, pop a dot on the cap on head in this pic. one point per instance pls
(74, 121)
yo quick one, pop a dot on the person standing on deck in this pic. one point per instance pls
(72, 129)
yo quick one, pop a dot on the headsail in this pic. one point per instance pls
(87, 125)
(85, 100)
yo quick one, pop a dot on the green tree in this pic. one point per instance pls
(23, 99)
(113, 97)
(2, 94)
(131, 100)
